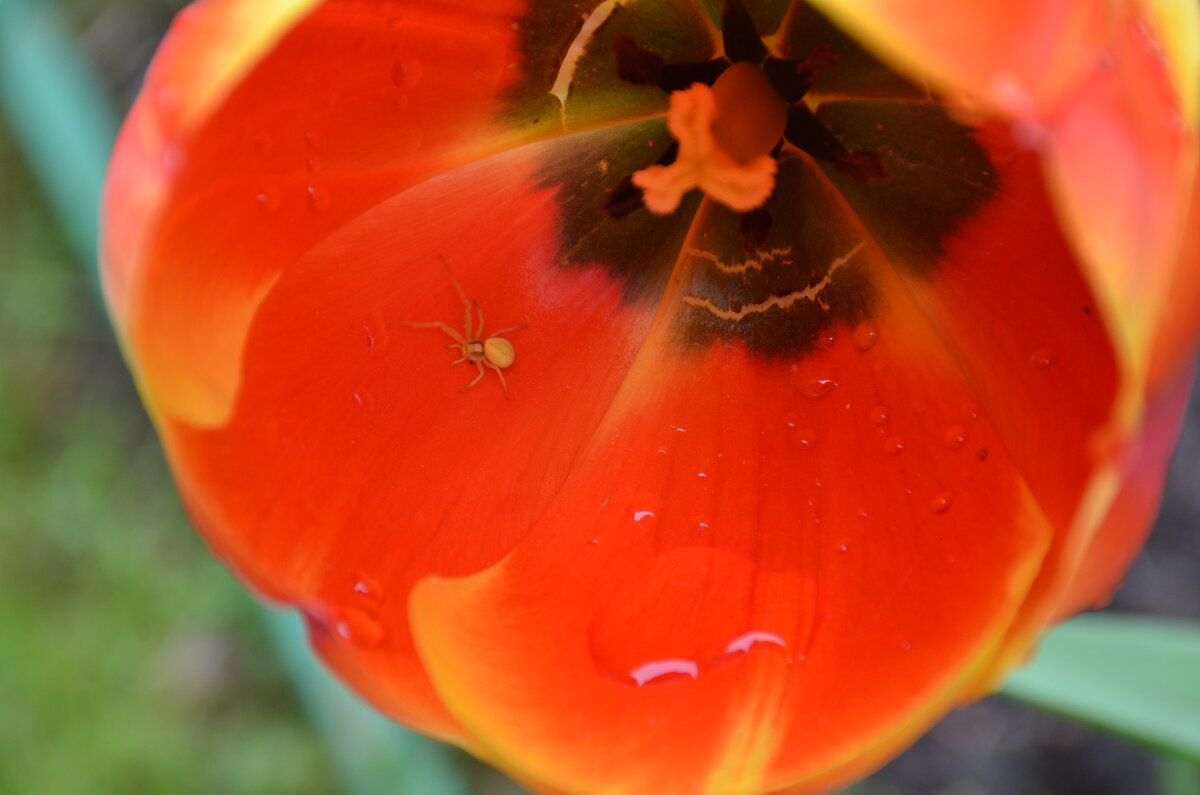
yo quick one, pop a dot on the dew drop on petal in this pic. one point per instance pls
(893, 445)
(664, 670)
(264, 144)
(366, 587)
(824, 340)
(358, 626)
(956, 437)
(318, 197)
(817, 388)
(803, 438)
(268, 200)
(743, 643)
(879, 415)
(640, 515)
(864, 336)
(406, 74)
(1043, 358)
(363, 399)
(941, 503)
(376, 335)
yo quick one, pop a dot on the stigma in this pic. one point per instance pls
(726, 135)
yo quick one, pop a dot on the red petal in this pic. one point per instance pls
(871, 516)
(350, 457)
(873, 578)
(271, 172)
(1118, 540)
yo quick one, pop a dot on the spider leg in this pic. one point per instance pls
(504, 330)
(466, 304)
(479, 331)
(476, 381)
(434, 324)
(458, 361)
(503, 383)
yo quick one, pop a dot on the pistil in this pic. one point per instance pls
(725, 135)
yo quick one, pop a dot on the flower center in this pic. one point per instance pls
(750, 115)
(725, 136)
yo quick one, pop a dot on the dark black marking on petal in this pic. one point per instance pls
(808, 275)
(591, 170)
(939, 175)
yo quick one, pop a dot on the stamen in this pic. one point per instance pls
(702, 162)
(742, 43)
(805, 131)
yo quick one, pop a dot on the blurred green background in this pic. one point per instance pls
(132, 662)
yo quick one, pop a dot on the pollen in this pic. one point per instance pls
(725, 135)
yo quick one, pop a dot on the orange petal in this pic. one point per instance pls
(351, 465)
(1109, 93)
(1131, 516)
(249, 184)
(1121, 160)
(1019, 56)
(767, 548)
(211, 47)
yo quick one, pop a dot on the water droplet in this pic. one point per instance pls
(956, 437)
(366, 587)
(843, 548)
(376, 331)
(358, 626)
(407, 74)
(893, 445)
(640, 515)
(268, 201)
(701, 474)
(677, 428)
(804, 438)
(817, 388)
(594, 541)
(664, 670)
(941, 503)
(364, 399)
(743, 643)
(824, 340)
(879, 415)
(864, 336)
(318, 198)
(264, 144)
(313, 164)
(702, 526)
(1043, 358)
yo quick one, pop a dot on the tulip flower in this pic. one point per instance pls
(844, 347)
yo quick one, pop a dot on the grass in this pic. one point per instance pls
(132, 662)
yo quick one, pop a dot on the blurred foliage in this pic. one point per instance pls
(132, 662)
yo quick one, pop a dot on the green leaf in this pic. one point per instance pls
(1138, 677)
(1178, 776)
